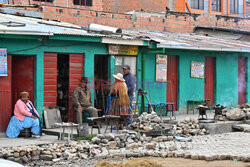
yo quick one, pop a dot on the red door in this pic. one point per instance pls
(172, 80)
(22, 77)
(75, 75)
(5, 97)
(242, 80)
(50, 79)
(209, 79)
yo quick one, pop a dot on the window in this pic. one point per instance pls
(197, 4)
(234, 6)
(216, 5)
(51, 1)
(83, 2)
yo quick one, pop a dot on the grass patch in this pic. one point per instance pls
(85, 138)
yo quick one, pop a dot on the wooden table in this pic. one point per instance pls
(110, 120)
(66, 125)
(193, 102)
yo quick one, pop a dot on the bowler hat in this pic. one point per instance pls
(84, 79)
(126, 67)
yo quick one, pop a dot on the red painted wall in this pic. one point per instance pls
(5, 97)
(209, 79)
(50, 79)
(75, 75)
(242, 80)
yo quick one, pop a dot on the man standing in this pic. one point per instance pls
(130, 82)
(81, 100)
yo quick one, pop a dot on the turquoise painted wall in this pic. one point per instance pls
(16, 45)
(156, 90)
(227, 79)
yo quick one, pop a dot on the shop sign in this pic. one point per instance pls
(123, 50)
(197, 69)
(3, 62)
(161, 68)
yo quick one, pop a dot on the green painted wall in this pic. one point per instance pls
(227, 79)
(16, 45)
(248, 78)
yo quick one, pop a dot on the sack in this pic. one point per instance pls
(83, 130)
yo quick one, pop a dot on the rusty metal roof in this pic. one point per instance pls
(194, 41)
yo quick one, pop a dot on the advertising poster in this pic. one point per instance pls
(3, 62)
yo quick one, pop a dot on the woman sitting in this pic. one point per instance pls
(119, 98)
(25, 116)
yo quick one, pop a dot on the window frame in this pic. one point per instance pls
(235, 9)
(200, 6)
(217, 5)
(83, 2)
(47, 1)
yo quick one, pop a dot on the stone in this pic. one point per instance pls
(148, 128)
(110, 136)
(22, 153)
(25, 159)
(96, 140)
(16, 154)
(105, 141)
(235, 114)
(132, 146)
(187, 119)
(100, 136)
(172, 148)
(150, 146)
(83, 156)
(46, 157)
(46, 152)
(112, 144)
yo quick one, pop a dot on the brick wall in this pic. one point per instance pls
(171, 22)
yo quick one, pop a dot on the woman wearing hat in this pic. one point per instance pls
(25, 116)
(119, 97)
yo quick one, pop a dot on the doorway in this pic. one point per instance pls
(172, 83)
(101, 82)
(63, 84)
(209, 79)
(22, 77)
(242, 67)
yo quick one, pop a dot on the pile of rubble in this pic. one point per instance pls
(152, 122)
(149, 122)
(236, 113)
(188, 127)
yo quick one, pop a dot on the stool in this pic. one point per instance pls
(110, 120)
(25, 133)
(97, 121)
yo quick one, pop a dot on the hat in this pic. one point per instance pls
(24, 94)
(119, 76)
(84, 79)
(126, 67)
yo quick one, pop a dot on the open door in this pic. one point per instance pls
(242, 66)
(209, 79)
(172, 80)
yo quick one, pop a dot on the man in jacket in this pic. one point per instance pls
(81, 100)
(130, 82)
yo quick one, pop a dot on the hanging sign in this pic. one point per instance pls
(197, 69)
(3, 62)
(161, 68)
(123, 50)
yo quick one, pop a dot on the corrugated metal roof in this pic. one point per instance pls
(194, 41)
(34, 26)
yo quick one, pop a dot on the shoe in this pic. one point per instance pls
(43, 134)
(35, 136)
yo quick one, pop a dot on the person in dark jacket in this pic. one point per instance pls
(130, 82)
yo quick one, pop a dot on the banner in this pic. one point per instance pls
(3, 62)
(123, 50)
